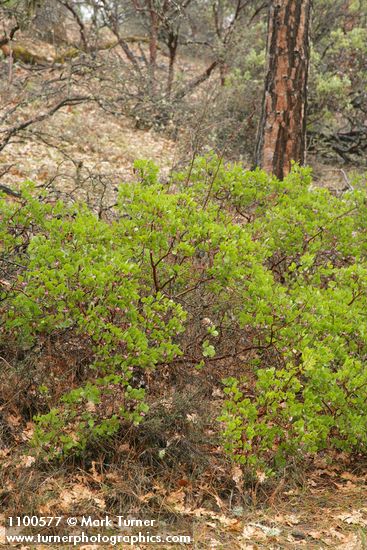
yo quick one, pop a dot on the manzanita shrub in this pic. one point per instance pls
(218, 264)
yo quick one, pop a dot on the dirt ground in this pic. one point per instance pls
(331, 513)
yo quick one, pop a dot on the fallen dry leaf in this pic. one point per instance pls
(317, 535)
(13, 420)
(193, 418)
(90, 406)
(227, 522)
(2, 535)
(76, 494)
(351, 542)
(348, 476)
(269, 531)
(250, 532)
(345, 487)
(147, 497)
(176, 500)
(288, 519)
(337, 534)
(261, 476)
(325, 472)
(124, 448)
(4, 453)
(236, 526)
(353, 518)
(95, 475)
(237, 476)
(27, 433)
(27, 461)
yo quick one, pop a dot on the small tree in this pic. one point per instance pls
(282, 127)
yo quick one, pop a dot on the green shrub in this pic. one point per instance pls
(81, 276)
(219, 264)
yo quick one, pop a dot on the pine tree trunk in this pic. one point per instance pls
(282, 127)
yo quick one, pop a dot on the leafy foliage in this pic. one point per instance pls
(81, 277)
(220, 264)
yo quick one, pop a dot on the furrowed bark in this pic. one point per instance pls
(282, 128)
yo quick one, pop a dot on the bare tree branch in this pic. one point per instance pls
(13, 130)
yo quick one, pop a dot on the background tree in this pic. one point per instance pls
(282, 128)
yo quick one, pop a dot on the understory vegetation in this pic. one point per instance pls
(258, 283)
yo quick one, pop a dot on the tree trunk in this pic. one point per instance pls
(153, 43)
(172, 48)
(282, 128)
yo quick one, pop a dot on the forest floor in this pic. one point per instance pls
(325, 507)
(102, 155)
(103, 152)
(321, 508)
